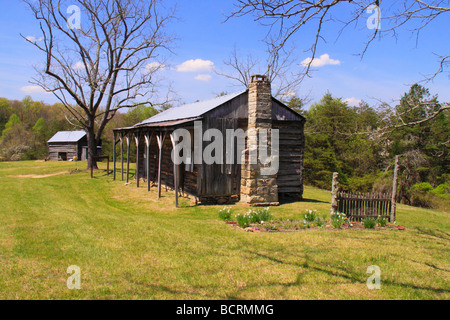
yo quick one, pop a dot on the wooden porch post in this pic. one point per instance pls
(114, 158)
(148, 140)
(175, 171)
(128, 158)
(160, 140)
(136, 139)
(121, 154)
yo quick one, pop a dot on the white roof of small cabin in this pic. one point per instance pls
(67, 136)
(191, 110)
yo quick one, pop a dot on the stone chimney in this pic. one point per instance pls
(256, 188)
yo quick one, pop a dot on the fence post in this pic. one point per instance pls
(334, 190)
(394, 191)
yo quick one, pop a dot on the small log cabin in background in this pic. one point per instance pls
(250, 110)
(66, 145)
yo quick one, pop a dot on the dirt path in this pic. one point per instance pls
(38, 176)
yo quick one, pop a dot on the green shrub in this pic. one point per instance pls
(253, 217)
(225, 213)
(259, 215)
(381, 221)
(419, 199)
(319, 221)
(362, 184)
(263, 214)
(423, 187)
(338, 219)
(243, 220)
(442, 189)
(311, 215)
(369, 223)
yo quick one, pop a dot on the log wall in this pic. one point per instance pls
(290, 172)
(70, 148)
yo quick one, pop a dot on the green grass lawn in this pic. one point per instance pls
(130, 245)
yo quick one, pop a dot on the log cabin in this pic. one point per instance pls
(252, 111)
(65, 145)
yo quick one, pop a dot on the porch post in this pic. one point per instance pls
(160, 140)
(121, 154)
(148, 140)
(128, 157)
(114, 157)
(136, 139)
(175, 171)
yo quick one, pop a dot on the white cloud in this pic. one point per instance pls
(32, 90)
(288, 94)
(34, 39)
(323, 60)
(203, 77)
(154, 66)
(78, 66)
(352, 101)
(197, 65)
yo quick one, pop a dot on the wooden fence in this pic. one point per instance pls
(360, 205)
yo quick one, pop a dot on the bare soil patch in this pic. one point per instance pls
(38, 176)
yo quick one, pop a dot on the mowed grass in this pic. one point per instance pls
(130, 245)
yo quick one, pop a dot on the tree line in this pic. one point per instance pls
(360, 142)
(26, 126)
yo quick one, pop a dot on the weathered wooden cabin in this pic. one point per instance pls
(66, 145)
(251, 110)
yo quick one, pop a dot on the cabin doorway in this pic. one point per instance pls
(62, 156)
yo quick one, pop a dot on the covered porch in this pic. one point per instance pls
(154, 144)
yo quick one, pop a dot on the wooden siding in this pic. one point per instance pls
(237, 108)
(290, 172)
(219, 179)
(284, 113)
(70, 148)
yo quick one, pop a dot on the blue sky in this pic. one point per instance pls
(204, 41)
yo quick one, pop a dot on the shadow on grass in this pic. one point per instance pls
(433, 233)
(304, 200)
(345, 273)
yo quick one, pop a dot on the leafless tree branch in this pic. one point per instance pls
(103, 66)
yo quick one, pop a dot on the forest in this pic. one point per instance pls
(359, 142)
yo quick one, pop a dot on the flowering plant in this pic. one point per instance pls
(311, 215)
(338, 219)
(381, 221)
(225, 213)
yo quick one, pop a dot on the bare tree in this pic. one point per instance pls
(285, 18)
(103, 57)
(279, 67)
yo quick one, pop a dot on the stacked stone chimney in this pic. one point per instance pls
(256, 188)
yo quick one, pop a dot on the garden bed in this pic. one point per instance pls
(261, 220)
(298, 226)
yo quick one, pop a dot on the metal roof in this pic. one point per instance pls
(67, 136)
(192, 110)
